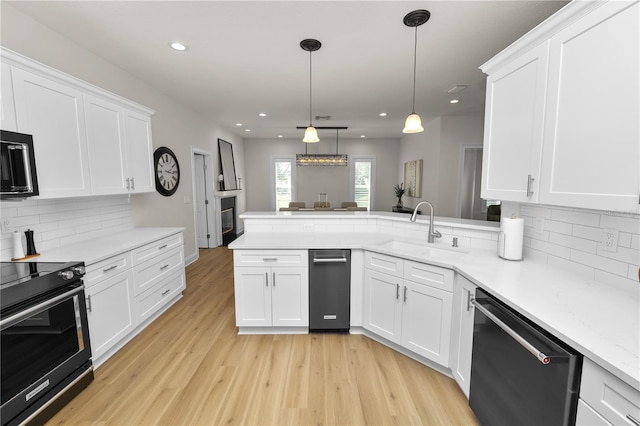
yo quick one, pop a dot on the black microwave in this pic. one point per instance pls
(17, 166)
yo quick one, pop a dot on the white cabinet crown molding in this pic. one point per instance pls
(18, 60)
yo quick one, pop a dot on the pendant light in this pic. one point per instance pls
(413, 124)
(310, 45)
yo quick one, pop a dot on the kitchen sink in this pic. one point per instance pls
(423, 250)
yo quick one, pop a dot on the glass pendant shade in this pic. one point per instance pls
(413, 124)
(311, 135)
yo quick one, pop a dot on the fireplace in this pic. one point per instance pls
(228, 220)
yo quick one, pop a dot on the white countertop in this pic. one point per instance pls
(598, 320)
(98, 249)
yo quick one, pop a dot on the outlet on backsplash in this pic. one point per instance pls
(609, 240)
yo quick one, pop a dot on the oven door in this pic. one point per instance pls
(44, 347)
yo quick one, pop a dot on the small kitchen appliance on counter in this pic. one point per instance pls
(45, 350)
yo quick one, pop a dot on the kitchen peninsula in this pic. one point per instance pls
(596, 319)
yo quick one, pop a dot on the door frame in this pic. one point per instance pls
(211, 221)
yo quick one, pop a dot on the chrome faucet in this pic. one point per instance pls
(432, 234)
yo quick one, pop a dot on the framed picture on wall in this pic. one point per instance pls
(413, 178)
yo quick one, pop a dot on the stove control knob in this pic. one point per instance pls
(66, 275)
(80, 270)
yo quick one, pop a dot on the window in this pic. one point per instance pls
(362, 180)
(283, 173)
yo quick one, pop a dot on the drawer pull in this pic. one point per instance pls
(397, 291)
(269, 259)
(266, 278)
(88, 300)
(162, 246)
(110, 268)
(405, 293)
(164, 267)
(167, 291)
(633, 420)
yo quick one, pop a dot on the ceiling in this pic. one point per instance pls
(244, 57)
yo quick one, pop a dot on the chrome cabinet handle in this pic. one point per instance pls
(88, 300)
(266, 278)
(110, 268)
(633, 420)
(397, 291)
(405, 293)
(269, 259)
(470, 300)
(162, 246)
(540, 356)
(167, 291)
(133, 185)
(164, 267)
(530, 180)
(273, 282)
(128, 184)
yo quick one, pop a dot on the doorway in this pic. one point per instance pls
(470, 205)
(202, 194)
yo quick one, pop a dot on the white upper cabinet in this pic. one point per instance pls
(561, 123)
(87, 141)
(120, 148)
(53, 113)
(139, 149)
(514, 124)
(7, 108)
(592, 133)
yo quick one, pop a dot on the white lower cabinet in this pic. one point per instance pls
(462, 332)
(124, 293)
(110, 311)
(414, 313)
(605, 399)
(271, 296)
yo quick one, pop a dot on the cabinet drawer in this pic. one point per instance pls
(157, 296)
(383, 263)
(157, 248)
(612, 398)
(587, 416)
(149, 272)
(432, 276)
(270, 258)
(99, 271)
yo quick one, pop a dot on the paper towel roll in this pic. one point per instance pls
(18, 251)
(511, 238)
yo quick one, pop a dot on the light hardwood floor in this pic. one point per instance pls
(191, 368)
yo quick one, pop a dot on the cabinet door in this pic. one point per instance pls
(137, 134)
(7, 107)
(462, 332)
(105, 146)
(290, 297)
(513, 128)
(253, 296)
(382, 305)
(53, 113)
(591, 148)
(110, 311)
(426, 321)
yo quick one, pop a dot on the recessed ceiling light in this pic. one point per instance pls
(362, 136)
(247, 130)
(454, 101)
(239, 124)
(280, 136)
(176, 45)
(262, 114)
(383, 114)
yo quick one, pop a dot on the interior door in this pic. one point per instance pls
(201, 202)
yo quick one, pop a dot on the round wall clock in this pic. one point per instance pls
(167, 171)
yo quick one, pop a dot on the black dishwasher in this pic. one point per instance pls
(329, 290)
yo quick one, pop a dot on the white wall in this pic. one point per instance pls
(174, 125)
(314, 179)
(439, 148)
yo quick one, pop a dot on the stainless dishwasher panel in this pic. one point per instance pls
(520, 374)
(329, 290)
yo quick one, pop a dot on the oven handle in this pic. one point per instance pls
(544, 359)
(39, 307)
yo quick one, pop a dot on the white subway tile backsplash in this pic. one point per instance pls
(57, 222)
(624, 239)
(575, 217)
(602, 263)
(587, 232)
(623, 254)
(628, 223)
(573, 242)
(553, 249)
(554, 226)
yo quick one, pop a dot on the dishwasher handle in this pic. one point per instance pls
(540, 356)
(329, 260)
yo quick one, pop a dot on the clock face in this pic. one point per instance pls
(167, 171)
